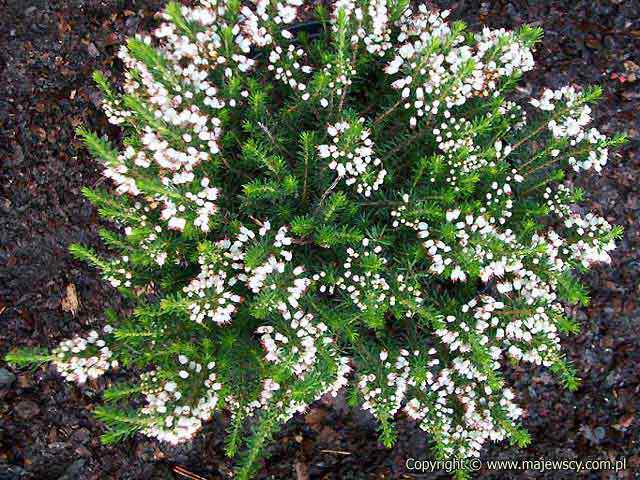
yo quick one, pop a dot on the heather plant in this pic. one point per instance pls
(313, 198)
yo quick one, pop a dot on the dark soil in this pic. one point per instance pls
(48, 49)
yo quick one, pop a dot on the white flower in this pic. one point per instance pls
(176, 223)
(170, 387)
(458, 275)
(452, 215)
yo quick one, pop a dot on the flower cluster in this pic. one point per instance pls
(174, 421)
(351, 155)
(571, 123)
(84, 358)
(384, 396)
(284, 63)
(435, 79)
(305, 333)
(594, 239)
(301, 347)
(212, 299)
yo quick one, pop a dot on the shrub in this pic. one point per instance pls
(352, 200)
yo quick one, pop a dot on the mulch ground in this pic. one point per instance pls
(48, 49)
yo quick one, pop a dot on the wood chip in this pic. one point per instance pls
(183, 472)
(302, 471)
(70, 302)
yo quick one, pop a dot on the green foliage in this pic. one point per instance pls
(28, 357)
(100, 149)
(121, 424)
